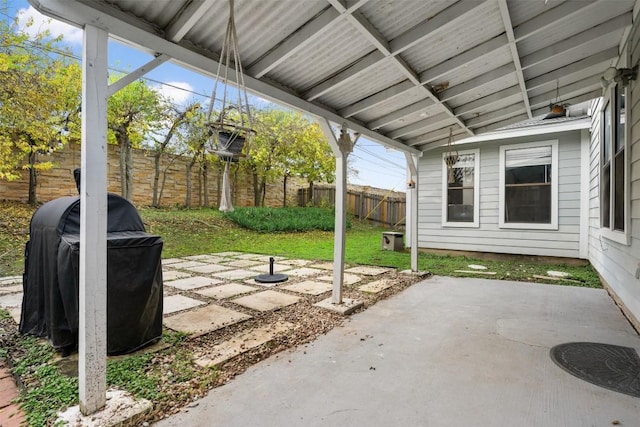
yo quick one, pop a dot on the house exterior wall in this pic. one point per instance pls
(488, 236)
(618, 263)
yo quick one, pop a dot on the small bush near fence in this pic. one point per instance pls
(284, 219)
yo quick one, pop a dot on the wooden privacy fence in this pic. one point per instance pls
(385, 208)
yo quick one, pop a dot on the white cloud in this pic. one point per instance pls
(70, 33)
(179, 92)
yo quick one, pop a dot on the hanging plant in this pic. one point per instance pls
(233, 125)
(451, 158)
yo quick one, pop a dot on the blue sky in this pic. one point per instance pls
(377, 166)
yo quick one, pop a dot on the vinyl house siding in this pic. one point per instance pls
(488, 236)
(616, 262)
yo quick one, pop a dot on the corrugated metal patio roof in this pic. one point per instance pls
(401, 72)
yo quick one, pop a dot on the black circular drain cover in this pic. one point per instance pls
(271, 278)
(609, 366)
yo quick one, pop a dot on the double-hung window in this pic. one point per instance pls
(460, 190)
(613, 166)
(529, 185)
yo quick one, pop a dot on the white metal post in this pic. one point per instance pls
(92, 336)
(341, 147)
(412, 208)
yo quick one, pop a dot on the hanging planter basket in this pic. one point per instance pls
(451, 158)
(231, 126)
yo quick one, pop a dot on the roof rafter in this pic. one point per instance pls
(477, 82)
(294, 43)
(574, 42)
(430, 123)
(550, 18)
(506, 19)
(187, 19)
(399, 114)
(550, 77)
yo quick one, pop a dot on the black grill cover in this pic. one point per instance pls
(51, 278)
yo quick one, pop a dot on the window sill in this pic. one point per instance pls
(528, 226)
(461, 224)
(615, 236)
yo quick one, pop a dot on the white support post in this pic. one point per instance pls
(92, 336)
(341, 147)
(340, 228)
(411, 220)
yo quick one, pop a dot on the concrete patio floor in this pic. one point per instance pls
(444, 352)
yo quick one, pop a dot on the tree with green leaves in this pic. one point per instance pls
(287, 144)
(134, 113)
(179, 118)
(39, 99)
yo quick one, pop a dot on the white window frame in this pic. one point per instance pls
(554, 187)
(610, 233)
(476, 191)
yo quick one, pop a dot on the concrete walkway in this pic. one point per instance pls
(445, 352)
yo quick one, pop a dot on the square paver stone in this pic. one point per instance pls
(265, 258)
(253, 282)
(187, 264)
(304, 271)
(190, 283)
(368, 270)
(235, 274)
(13, 304)
(10, 280)
(248, 256)
(277, 268)
(243, 263)
(170, 261)
(377, 286)
(226, 291)
(176, 303)
(323, 266)
(10, 289)
(204, 319)
(204, 258)
(242, 343)
(309, 287)
(227, 254)
(295, 262)
(347, 279)
(169, 275)
(208, 268)
(266, 301)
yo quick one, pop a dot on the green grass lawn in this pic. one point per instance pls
(201, 231)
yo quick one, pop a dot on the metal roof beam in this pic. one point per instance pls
(348, 74)
(188, 17)
(549, 18)
(497, 115)
(506, 19)
(550, 77)
(575, 100)
(439, 140)
(428, 124)
(576, 41)
(477, 82)
(399, 114)
(486, 101)
(294, 43)
(414, 35)
(463, 59)
(376, 98)
(588, 84)
(503, 123)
